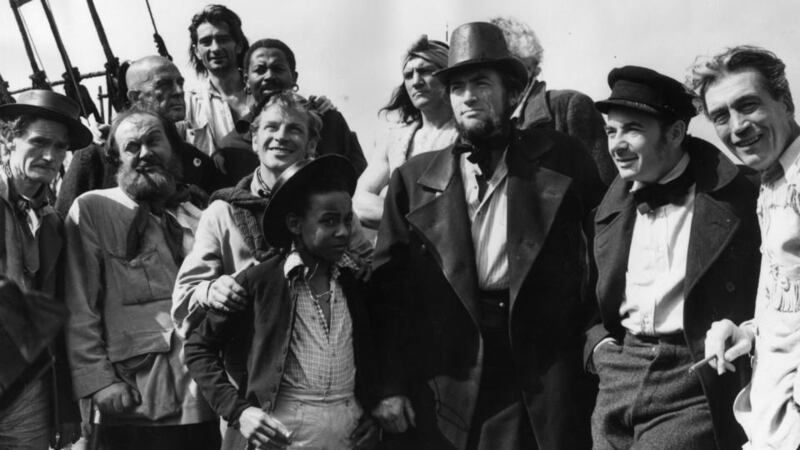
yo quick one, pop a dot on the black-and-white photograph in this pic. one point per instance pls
(399, 225)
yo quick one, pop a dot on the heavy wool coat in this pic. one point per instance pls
(721, 270)
(427, 310)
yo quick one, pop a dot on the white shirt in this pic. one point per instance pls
(488, 218)
(653, 303)
(208, 118)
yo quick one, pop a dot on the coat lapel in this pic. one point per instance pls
(535, 194)
(614, 222)
(444, 226)
(713, 226)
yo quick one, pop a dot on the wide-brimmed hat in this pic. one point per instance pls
(479, 44)
(649, 91)
(290, 184)
(53, 106)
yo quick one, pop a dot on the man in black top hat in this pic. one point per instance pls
(676, 247)
(480, 260)
(36, 406)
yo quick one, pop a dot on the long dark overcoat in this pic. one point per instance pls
(721, 270)
(427, 308)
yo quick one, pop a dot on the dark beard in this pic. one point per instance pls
(155, 184)
(487, 136)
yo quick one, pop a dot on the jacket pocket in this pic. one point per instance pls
(140, 280)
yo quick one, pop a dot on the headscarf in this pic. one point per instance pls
(435, 52)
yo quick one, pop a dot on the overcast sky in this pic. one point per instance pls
(350, 50)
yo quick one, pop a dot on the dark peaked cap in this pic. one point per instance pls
(649, 91)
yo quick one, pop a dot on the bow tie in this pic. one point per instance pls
(653, 196)
(476, 155)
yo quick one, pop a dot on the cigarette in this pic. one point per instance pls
(701, 363)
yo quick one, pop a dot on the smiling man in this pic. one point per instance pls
(480, 260)
(746, 95)
(676, 247)
(270, 67)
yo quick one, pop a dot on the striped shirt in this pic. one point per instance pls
(488, 217)
(321, 361)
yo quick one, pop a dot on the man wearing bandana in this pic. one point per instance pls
(480, 264)
(424, 122)
(124, 247)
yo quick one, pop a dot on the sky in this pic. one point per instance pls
(351, 50)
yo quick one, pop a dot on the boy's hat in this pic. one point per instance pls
(52, 106)
(292, 182)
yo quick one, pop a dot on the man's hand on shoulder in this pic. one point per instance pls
(226, 295)
(116, 398)
(395, 414)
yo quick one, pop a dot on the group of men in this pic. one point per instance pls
(513, 299)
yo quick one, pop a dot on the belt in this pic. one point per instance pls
(672, 339)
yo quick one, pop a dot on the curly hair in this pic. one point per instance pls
(270, 43)
(522, 43)
(707, 70)
(216, 15)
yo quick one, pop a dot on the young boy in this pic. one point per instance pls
(309, 340)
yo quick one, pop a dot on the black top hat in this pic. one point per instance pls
(649, 91)
(292, 181)
(53, 106)
(480, 44)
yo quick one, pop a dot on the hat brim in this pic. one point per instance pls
(510, 65)
(604, 106)
(291, 182)
(79, 135)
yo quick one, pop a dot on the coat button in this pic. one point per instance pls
(274, 389)
(280, 368)
(423, 248)
(730, 287)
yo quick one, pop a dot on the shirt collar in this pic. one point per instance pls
(295, 267)
(790, 155)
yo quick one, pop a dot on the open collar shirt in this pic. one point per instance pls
(321, 361)
(488, 216)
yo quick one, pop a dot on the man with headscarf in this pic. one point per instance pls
(424, 122)
(480, 262)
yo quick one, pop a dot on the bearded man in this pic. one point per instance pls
(124, 247)
(480, 260)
